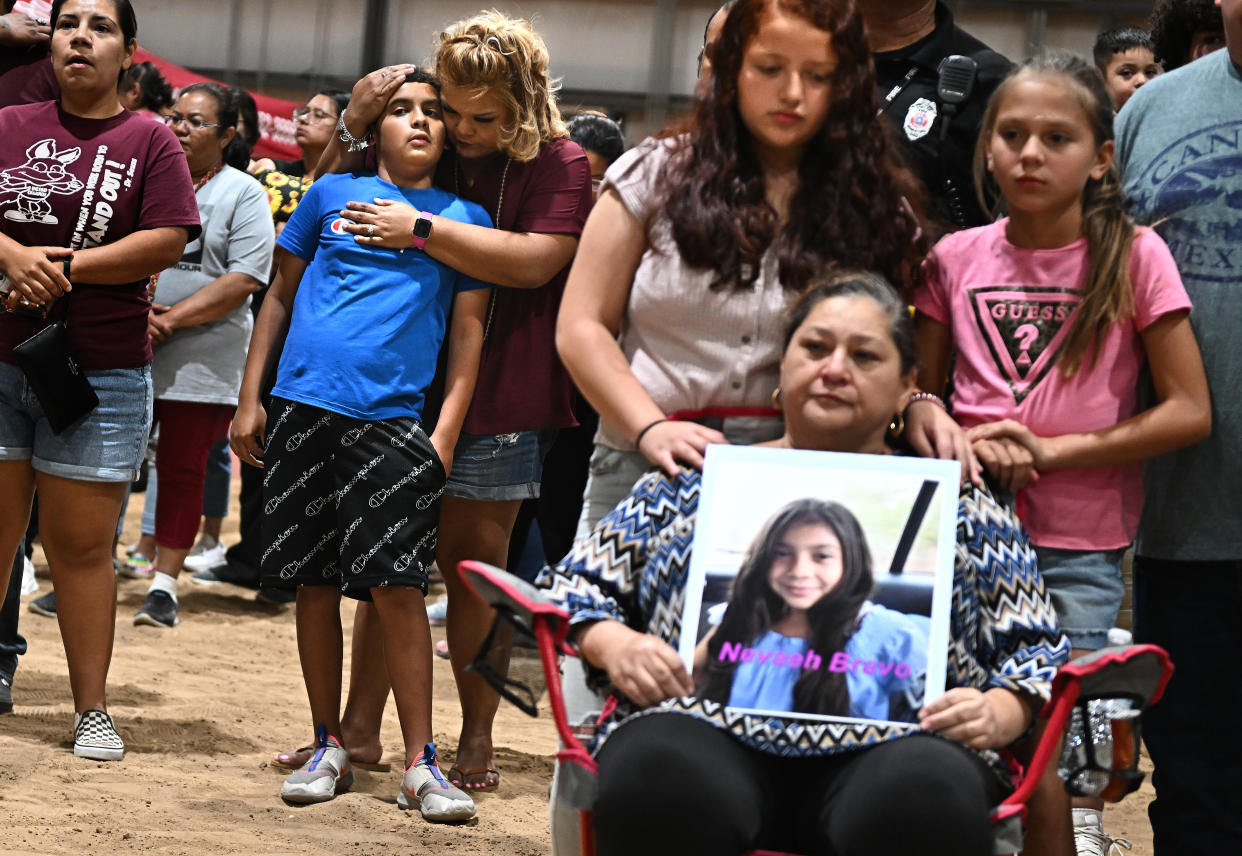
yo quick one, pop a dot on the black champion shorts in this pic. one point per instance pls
(348, 502)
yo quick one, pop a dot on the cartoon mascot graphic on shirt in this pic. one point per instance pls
(39, 177)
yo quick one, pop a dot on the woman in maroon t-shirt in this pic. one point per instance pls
(96, 196)
(514, 157)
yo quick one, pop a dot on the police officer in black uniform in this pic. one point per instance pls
(912, 38)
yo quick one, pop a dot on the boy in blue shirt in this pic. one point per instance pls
(352, 484)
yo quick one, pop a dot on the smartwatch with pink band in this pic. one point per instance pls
(422, 230)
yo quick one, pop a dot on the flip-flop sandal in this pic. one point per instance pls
(294, 761)
(461, 778)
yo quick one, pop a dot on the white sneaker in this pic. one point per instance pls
(1090, 839)
(438, 799)
(29, 584)
(324, 775)
(1120, 637)
(205, 555)
(437, 613)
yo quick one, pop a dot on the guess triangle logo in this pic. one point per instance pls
(1024, 329)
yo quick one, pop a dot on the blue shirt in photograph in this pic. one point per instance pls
(368, 322)
(885, 638)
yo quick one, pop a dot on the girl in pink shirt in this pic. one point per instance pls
(1052, 313)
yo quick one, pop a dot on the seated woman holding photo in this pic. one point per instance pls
(725, 784)
(805, 587)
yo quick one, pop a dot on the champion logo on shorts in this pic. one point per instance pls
(401, 439)
(361, 561)
(424, 502)
(353, 435)
(427, 542)
(919, 119)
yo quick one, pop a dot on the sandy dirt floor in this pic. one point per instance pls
(202, 708)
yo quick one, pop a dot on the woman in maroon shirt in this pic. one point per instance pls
(99, 197)
(512, 155)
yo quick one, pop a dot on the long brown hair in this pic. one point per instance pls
(1107, 293)
(853, 205)
(754, 607)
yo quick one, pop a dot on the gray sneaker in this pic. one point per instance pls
(158, 610)
(94, 736)
(439, 800)
(324, 775)
(44, 605)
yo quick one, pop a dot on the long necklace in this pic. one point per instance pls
(198, 185)
(500, 202)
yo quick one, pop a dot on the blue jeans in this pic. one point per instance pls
(105, 445)
(499, 467)
(1192, 610)
(1086, 590)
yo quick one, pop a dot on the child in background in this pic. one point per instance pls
(1052, 312)
(352, 483)
(1127, 59)
(1186, 30)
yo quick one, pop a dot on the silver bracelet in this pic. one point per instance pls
(355, 144)
(927, 396)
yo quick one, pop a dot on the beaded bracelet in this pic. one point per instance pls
(927, 396)
(639, 438)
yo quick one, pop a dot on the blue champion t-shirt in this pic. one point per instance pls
(367, 322)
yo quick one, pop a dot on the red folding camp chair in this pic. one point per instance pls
(1095, 704)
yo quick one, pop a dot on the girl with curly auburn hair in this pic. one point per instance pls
(511, 154)
(703, 238)
(846, 208)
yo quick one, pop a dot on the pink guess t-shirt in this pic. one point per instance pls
(1010, 310)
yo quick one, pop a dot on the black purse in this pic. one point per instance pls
(52, 371)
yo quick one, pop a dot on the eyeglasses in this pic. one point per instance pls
(314, 114)
(194, 122)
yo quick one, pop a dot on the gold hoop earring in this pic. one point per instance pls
(898, 426)
(776, 398)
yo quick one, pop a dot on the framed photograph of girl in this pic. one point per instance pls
(820, 583)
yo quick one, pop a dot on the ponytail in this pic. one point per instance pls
(1107, 294)
(237, 153)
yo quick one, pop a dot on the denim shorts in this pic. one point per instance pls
(1086, 590)
(105, 445)
(499, 467)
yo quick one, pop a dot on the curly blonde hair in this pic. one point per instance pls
(493, 53)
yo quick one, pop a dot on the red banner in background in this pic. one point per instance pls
(275, 114)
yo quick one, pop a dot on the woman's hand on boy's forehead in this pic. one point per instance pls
(371, 93)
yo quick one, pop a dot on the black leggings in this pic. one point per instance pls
(669, 783)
